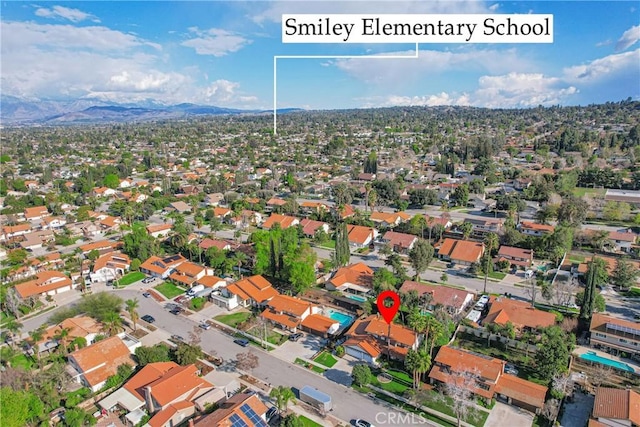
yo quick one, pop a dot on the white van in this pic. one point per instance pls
(195, 290)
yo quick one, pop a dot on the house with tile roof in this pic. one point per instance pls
(102, 246)
(320, 325)
(394, 340)
(179, 206)
(187, 273)
(76, 327)
(285, 221)
(360, 236)
(400, 243)
(94, 364)
(353, 279)
(164, 390)
(614, 335)
(45, 283)
(110, 266)
(519, 313)
(161, 267)
(288, 312)
(464, 252)
(453, 299)
(534, 229)
(53, 222)
(623, 240)
(614, 407)
(243, 409)
(159, 231)
(223, 245)
(343, 212)
(516, 256)
(310, 227)
(482, 226)
(484, 376)
(254, 291)
(36, 213)
(11, 231)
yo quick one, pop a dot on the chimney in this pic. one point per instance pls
(149, 400)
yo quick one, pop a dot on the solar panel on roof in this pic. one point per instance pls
(253, 416)
(236, 421)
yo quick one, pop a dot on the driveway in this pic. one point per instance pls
(509, 415)
(305, 348)
(576, 413)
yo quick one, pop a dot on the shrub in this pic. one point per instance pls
(340, 351)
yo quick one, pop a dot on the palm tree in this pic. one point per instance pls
(239, 258)
(491, 242)
(418, 362)
(14, 327)
(282, 396)
(131, 307)
(112, 324)
(436, 331)
(61, 337)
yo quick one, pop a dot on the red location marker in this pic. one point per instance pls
(388, 313)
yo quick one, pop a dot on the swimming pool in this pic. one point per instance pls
(342, 318)
(593, 357)
(356, 298)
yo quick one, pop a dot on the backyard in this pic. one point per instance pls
(169, 290)
(233, 319)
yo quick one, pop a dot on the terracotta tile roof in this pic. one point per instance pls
(100, 245)
(221, 212)
(147, 375)
(378, 327)
(45, 281)
(345, 211)
(35, 211)
(177, 382)
(113, 260)
(208, 243)
(282, 319)
(401, 240)
(520, 313)
(359, 234)
(318, 323)
(162, 417)
(522, 390)
(189, 268)
(461, 250)
(80, 326)
(443, 295)
(596, 423)
(367, 345)
(623, 237)
(617, 404)
(599, 322)
(534, 226)
(221, 417)
(512, 252)
(154, 228)
(11, 229)
(285, 221)
(358, 274)
(274, 201)
(310, 226)
(210, 281)
(256, 288)
(162, 265)
(99, 361)
(290, 305)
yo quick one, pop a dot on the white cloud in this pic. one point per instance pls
(431, 63)
(61, 12)
(274, 10)
(215, 42)
(628, 39)
(603, 68)
(494, 7)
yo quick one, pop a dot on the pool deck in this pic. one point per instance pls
(580, 350)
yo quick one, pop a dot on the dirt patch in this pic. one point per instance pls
(156, 296)
(139, 333)
(203, 367)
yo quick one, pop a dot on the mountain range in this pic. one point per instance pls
(22, 111)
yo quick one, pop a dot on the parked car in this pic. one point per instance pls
(177, 338)
(176, 311)
(109, 282)
(148, 279)
(148, 318)
(271, 412)
(295, 337)
(205, 326)
(241, 341)
(363, 423)
(146, 294)
(510, 369)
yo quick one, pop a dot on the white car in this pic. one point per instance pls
(363, 423)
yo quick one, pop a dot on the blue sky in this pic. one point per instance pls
(221, 53)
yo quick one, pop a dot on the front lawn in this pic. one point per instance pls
(130, 278)
(330, 244)
(233, 319)
(325, 358)
(498, 275)
(306, 422)
(22, 361)
(311, 366)
(169, 290)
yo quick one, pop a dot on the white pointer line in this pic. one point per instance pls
(275, 70)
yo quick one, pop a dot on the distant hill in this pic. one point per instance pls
(20, 111)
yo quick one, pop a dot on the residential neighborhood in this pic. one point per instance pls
(200, 275)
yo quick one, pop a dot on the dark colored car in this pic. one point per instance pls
(148, 318)
(146, 294)
(295, 337)
(177, 338)
(271, 413)
(176, 310)
(241, 341)
(148, 279)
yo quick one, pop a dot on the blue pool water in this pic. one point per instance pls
(593, 357)
(356, 298)
(343, 319)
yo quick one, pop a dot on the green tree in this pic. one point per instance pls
(599, 305)
(342, 251)
(417, 362)
(554, 349)
(292, 420)
(371, 163)
(384, 280)
(421, 256)
(132, 308)
(625, 274)
(112, 324)
(572, 211)
(78, 417)
(596, 276)
(187, 354)
(461, 194)
(491, 242)
(111, 180)
(466, 228)
(282, 396)
(157, 353)
(361, 375)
